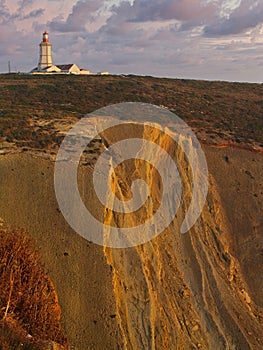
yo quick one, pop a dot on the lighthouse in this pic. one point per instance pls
(46, 66)
(45, 59)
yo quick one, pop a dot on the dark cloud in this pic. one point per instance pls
(76, 21)
(158, 10)
(247, 15)
(4, 13)
(25, 3)
(7, 17)
(183, 14)
(34, 14)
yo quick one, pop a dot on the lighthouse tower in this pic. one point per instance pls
(45, 59)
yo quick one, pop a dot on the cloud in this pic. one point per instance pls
(157, 10)
(4, 13)
(76, 21)
(34, 14)
(7, 16)
(182, 15)
(24, 4)
(247, 15)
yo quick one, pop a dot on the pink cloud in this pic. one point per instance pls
(156, 10)
(76, 21)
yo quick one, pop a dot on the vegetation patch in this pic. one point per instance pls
(29, 309)
(210, 108)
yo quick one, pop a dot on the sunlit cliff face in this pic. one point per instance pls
(178, 290)
(146, 200)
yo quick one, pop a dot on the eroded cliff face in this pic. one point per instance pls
(177, 291)
(180, 291)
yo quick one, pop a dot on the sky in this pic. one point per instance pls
(197, 39)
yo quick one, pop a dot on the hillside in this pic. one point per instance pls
(200, 290)
(219, 112)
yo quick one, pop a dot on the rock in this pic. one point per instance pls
(50, 345)
(246, 296)
(195, 328)
(185, 293)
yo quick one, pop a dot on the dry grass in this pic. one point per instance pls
(29, 309)
(231, 112)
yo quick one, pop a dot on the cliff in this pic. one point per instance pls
(201, 289)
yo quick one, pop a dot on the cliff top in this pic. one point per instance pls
(36, 111)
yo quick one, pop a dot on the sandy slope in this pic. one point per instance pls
(199, 290)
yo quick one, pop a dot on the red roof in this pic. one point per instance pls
(65, 66)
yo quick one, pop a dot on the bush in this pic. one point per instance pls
(29, 309)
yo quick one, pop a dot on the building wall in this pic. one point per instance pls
(45, 55)
(74, 69)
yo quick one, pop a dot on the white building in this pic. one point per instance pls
(45, 57)
(46, 66)
(69, 68)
